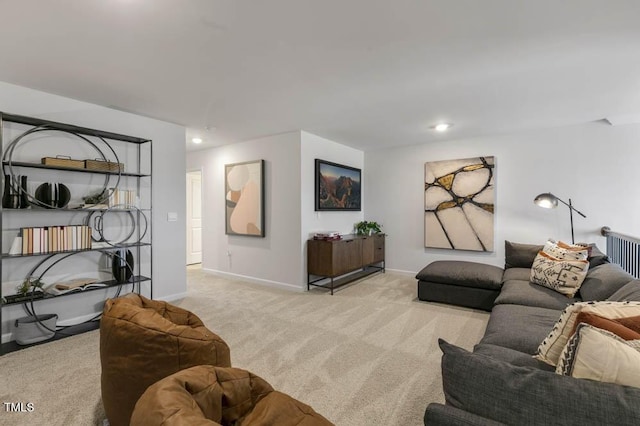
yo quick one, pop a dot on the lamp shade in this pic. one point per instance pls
(546, 200)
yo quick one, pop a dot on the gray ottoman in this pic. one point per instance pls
(470, 284)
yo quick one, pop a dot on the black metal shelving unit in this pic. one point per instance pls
(29, 125)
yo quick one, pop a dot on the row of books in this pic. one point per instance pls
(49, 239)
(121, 197)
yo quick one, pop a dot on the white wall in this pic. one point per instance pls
(273, 260)
(169, 272)
(313, 147)
(280, 258)
(593, 164)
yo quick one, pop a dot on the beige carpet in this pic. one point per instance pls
(366, 356)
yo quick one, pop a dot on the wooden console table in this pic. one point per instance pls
(330, 259)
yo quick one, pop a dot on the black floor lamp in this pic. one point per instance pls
(550, 201)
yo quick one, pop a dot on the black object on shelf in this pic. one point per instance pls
(15, 193)
(24, 199)
(52, 195)
(122, 265)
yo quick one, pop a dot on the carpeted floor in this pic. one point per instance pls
(366, 356)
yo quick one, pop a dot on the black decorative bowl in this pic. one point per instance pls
(52, 196)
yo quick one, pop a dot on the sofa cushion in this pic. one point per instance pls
(596, 257)
(467, 274)
(630, 291)
(521, 328)
(551, 347)
(596, 354)
(529, 294)
(471, 297)
(520, 274)
(513, 357)
(505, 393)
(518, 255)
(604, 280)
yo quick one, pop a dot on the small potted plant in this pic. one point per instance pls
(28, 284)
(368, 227)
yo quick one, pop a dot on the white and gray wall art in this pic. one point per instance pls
(459, 204)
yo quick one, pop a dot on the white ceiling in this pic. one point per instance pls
(365, 73)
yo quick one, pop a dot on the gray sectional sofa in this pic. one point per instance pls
(500, 382)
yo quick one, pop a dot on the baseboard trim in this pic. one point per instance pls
(402, 272)
(172, 297)
(254, 280)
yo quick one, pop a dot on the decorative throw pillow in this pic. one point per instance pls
(596, 256)
(600, 355)
(562, 275)
(551, 347)
(625, 328)
(565, 251)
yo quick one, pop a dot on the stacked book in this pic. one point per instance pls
(122, 197)
(49, 239)
(327, 236)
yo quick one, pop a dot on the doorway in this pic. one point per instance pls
(194, 217)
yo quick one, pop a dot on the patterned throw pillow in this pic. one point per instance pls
(562, 275)
(564, 251)
(551, 347)
(600, 355)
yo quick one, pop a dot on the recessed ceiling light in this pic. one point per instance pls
(196, 140)
(442, 127)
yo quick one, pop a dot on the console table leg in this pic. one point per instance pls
(332, 286)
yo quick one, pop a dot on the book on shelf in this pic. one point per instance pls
(51, 239)
(122, 198)
(77, 284)
(16, 246)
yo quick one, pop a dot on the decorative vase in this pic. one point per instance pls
(122, 266)
(24, 200)
(7, 195)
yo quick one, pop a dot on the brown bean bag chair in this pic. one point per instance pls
(208, 395)
(143, 341)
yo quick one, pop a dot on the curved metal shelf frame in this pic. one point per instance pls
(95, 138)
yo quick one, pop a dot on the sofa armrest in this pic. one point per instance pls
(446, 415)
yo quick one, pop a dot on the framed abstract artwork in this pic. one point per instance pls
(338, 187)
(244, 198)
(459, 204)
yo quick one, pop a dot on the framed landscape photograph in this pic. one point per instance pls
(244, 198)
(338, 187)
